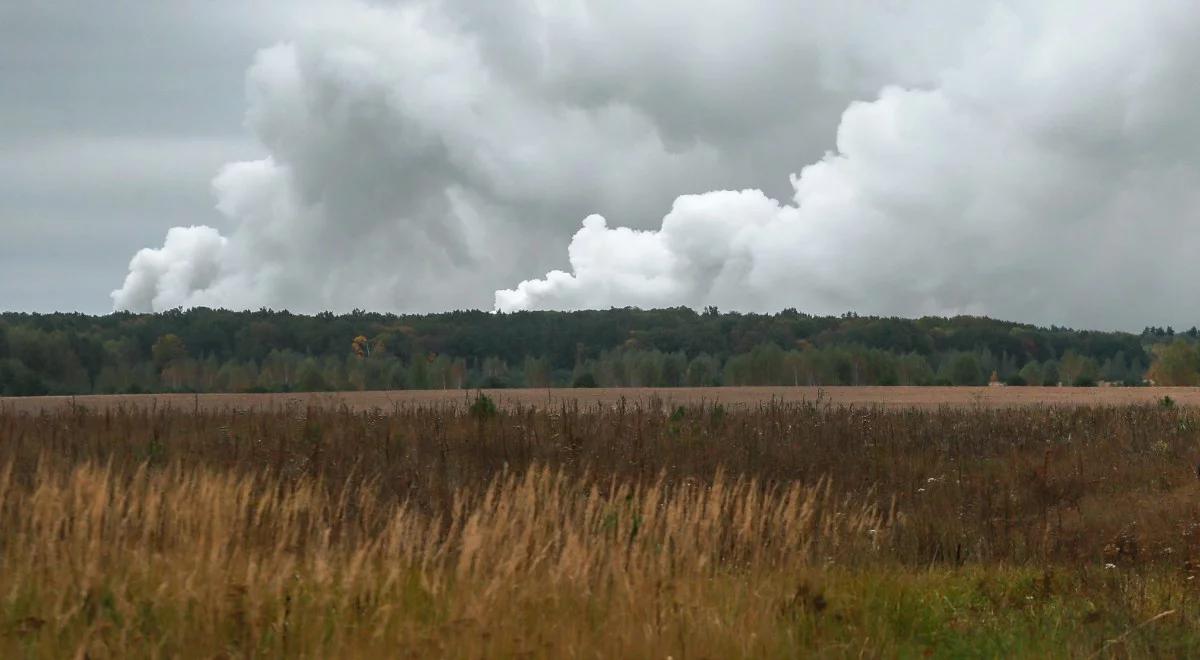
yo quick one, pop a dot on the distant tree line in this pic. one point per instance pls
(207, 350)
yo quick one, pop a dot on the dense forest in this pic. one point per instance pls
(206, 350)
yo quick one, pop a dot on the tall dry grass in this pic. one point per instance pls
(106, 561)
(598, 532)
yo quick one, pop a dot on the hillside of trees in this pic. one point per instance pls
(206, 350)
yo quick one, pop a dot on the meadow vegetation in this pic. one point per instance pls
(612, 531)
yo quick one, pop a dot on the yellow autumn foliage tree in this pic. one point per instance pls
(1177, 363)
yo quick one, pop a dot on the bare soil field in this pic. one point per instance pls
(888, 397)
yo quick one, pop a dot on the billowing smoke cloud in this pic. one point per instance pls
(1030, 160)
(1044, 176)
(189, 260)
(420, 154)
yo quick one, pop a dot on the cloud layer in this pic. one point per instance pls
(1030, 160)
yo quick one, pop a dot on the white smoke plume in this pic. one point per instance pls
(1028, 160)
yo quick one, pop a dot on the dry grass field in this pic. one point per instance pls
(625, 530)
(743, 397)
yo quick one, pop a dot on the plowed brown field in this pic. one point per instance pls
(891, 397)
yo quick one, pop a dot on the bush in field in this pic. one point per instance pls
(482, 407)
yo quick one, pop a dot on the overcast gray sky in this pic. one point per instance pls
(1028, 160)
(112, 124)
